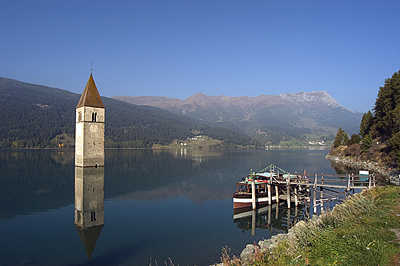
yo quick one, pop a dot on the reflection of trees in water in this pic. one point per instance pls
(33, 181)
(342, 169)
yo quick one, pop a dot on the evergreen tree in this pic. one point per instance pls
(394, 147)
(341, 138)
(366, 143)
(345, 140)
(366, 123)
(355, 139)
(387, 114)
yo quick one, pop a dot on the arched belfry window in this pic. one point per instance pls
(79, 116)
(94, 117)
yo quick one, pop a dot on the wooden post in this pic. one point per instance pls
(276, 212)
(322, 188)
(307, 209)
(369, 181)
(295, 197)
(253, 194)
(315, 194)
(288, 190)
(269, 195)
(269, 214)
(321, 198)
(270, 176)
(348, 185)
(253, 223)
(277, 193)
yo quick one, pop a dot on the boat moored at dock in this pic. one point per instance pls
(255, 190)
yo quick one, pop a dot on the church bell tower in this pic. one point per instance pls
(89, 131)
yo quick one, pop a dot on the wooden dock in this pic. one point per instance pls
(298, 189)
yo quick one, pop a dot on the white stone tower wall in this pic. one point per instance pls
(89, 137)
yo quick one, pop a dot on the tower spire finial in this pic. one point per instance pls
(91, 67)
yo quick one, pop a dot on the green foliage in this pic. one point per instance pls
(33, 117)
(387, 112)
(366, 123)
(394, 146)
(366, 143)
(228, 136)
(355, 139)
(382, 126)
(341, 138)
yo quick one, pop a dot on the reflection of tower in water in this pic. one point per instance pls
(89, 205)
(89, 166)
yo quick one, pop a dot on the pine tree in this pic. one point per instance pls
(366, 143)
(387, 114)
(341, 138)
(366, 123)
(355, 139)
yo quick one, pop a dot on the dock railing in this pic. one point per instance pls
(332, 187)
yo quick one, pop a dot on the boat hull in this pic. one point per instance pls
(243, 200)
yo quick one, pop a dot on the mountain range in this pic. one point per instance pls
(36, 116)
(268, 118)
(39, 116)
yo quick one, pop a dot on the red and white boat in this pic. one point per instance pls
(242, 198)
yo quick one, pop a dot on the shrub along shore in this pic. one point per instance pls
(360, 231)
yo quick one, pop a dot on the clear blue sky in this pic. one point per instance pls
(220, 47)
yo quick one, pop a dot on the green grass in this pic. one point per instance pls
(356, 232)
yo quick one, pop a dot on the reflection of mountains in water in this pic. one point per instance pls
(276, 217)
(38, 180)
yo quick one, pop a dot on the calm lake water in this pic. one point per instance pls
(157, 205)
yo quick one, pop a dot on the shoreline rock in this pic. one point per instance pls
(389, 173)
(252, 251)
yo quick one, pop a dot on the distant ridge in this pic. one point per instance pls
(315, 98)
(269, 118)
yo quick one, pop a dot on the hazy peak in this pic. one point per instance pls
(320, 96)
(197, 96)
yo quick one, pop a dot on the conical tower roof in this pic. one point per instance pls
(90, 96)
(89, 237)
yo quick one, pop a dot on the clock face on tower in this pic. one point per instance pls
(94, 128)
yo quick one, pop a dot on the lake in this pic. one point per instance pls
(156, 205)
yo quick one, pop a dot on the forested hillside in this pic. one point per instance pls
(35, 116)
(379, 135)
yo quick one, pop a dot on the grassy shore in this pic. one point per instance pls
(360, 231)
